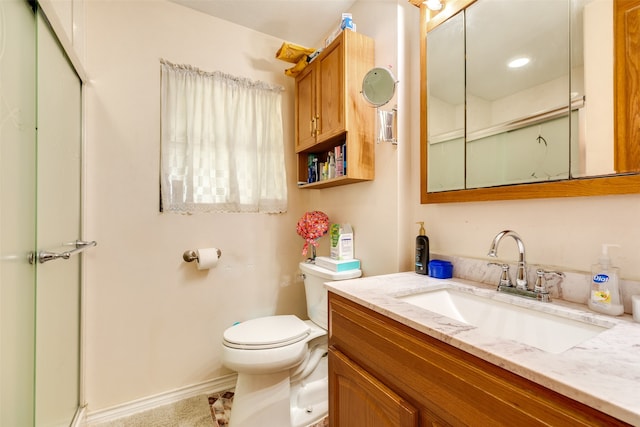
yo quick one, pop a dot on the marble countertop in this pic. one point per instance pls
(602, 372)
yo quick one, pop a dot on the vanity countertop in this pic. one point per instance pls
(602, 372)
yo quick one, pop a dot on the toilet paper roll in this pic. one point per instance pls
(207, 258)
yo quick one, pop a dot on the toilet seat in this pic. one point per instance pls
(266, 333)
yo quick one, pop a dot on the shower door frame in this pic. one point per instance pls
(58, 304)
(48, 10)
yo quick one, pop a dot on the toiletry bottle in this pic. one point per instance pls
(332, 165)
(605, 289)
(339, 161)
(422, 250)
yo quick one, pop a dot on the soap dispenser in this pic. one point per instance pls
(605, 289)
(422, 250)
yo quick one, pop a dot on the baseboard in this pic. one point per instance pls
(130, 408)
(78, 418)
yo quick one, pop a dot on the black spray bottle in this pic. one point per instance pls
(422, 250)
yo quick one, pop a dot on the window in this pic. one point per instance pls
(222, 147)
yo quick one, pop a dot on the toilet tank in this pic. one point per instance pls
(314, 279)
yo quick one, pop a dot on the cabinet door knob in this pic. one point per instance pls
(318, 128)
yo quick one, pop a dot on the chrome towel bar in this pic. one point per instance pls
(44, 256)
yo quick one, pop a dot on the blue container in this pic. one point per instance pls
(440, 269)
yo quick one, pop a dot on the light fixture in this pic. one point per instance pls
(518, 62)
(433, 4)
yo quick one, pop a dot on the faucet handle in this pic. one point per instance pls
(505, 280)
(541, 286)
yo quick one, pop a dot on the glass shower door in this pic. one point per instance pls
(58, 296)
(17, 211)
(40, 206)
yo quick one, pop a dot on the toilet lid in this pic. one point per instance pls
(266, 332)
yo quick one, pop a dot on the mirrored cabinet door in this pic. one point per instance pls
(517, 92)
(446, 101)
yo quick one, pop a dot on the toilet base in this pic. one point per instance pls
(310, 397)
(261, 400)
(274, 400)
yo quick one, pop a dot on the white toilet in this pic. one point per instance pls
(281, 361)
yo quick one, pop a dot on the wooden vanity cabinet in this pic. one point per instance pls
(380, 368)
(330, 111)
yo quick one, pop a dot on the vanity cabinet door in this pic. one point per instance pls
(359, 400)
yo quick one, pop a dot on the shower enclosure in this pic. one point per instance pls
(40, 211)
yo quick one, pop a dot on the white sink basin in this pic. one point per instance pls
(549, 332)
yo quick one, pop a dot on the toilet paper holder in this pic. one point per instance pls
(191, 255)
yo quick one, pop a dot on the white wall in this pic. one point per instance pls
(557, 232)
(155, 323)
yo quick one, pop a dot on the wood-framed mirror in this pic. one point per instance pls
(623, 178)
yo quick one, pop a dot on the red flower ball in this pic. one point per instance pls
(311, 227)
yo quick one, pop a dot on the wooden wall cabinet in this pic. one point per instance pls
(378, 365)
(330, 110)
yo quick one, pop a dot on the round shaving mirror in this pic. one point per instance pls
(378, 86)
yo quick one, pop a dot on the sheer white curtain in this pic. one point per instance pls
(221, 142)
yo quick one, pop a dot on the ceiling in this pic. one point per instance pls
(303, 22)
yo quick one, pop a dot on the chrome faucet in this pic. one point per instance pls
(540, 291)
(521, 273)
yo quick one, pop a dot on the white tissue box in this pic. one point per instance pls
(337, 265)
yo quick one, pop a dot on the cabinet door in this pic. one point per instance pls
(305, 108)
(357, 399)
(330, 95)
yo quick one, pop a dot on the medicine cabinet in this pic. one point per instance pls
(570, 125)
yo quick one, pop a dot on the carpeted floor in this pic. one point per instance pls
(199, 411)
(192, 412)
